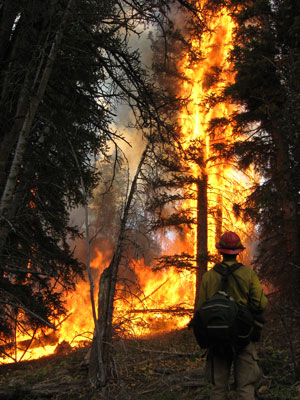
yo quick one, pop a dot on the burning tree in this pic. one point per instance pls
(203, 184)
(265, 57)
(238, 75)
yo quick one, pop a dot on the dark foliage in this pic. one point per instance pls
(94, 71)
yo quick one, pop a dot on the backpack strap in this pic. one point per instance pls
(224, 273)
(227, 270)
(237, 281)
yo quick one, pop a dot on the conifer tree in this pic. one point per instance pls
(93, 71)
(266, 88)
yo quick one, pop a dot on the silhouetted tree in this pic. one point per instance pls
(65, 67)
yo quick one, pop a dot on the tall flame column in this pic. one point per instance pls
(206, 78)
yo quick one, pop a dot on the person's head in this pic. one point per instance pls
(230, 245)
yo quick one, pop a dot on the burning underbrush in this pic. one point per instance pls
(166, 366)
(147, 302)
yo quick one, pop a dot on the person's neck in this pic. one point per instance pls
(229, 259)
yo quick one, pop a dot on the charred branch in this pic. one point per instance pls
(173, 310)
(181, 261)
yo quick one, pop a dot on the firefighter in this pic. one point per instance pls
(250, 293)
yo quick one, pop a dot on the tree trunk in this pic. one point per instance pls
(219, 217)
(99, 369)
(202, 251)
(9, 14)
(283, 179)
(98, 359)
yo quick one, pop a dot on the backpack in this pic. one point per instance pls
(221, 324)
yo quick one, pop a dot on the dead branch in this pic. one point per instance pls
(179, 261)
(169, 353)
(19, 306)
(179, 310)
(155, 290)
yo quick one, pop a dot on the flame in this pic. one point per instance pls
(207, 78)
(159, 290)
(140, 312)
(76, 328)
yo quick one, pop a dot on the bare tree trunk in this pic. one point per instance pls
(10, 139)
(219, 217)
(289, 202)
(98, 362)
(11, 181)
(202, 252)
(107, 289)
(97, 349)
(9, 13)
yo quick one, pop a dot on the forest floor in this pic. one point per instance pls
(165, 366)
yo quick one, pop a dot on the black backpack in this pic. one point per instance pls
(221, 324)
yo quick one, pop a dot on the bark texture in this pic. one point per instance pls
(101, 347)
(202, 251)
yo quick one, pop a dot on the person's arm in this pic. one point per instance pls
(202, 293)
(257, 300)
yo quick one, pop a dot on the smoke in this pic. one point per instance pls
(107, 202)
(133, 144)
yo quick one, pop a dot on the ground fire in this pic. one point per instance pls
(166, 297)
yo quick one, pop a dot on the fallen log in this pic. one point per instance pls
(180, 310)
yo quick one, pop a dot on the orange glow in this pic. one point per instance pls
(165, 290)
(139, 313)
(75, 329)
(157, 290)
(32, 203)
(225, 184)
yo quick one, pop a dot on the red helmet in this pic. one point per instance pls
(230, 243)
